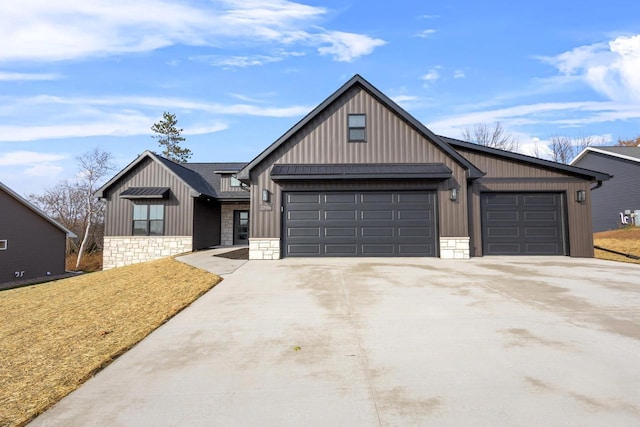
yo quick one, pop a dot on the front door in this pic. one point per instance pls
(240, 227)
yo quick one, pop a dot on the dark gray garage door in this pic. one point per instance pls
(359, 224)
(522, 224)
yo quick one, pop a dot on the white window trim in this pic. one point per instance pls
(3, 245)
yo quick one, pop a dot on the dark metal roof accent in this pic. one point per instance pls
(594, 175)
(145, 193)
(357, 80)
(433, 171)
(36, 210)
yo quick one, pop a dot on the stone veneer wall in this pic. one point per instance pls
(226, 221)
(264, 248)
(454, 247)
(119, 251)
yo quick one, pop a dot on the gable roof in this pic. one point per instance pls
(199, 177)
(36, 210)
(357, 80)
(574, 170)
(626, 153)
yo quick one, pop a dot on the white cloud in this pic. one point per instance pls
(59, 117)
(425, 33)
(12, 76)
(345, 47)
(431, 76)
(41, 30)
(404, 98)
(243, 61)
(21, 158)
(44, 170)
(558, 114)
(609, 68)
(458, 74)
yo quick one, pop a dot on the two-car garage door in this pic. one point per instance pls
(359, 223)
(522, 224)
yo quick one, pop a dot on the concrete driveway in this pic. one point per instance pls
(393, 342)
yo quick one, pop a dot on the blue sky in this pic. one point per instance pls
(238, 73)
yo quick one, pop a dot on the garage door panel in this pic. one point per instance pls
(377, 232)
(340, 198)
(302, 198)
(346, 249)
(376, 197)
(340, 215)
(304, 249)
(522, 224)
(360, 224)
(303, 231)
(376, 214)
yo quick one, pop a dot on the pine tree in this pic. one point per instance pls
(170, 137)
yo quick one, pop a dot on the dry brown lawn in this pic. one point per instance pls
(55, 336)
(625, 240)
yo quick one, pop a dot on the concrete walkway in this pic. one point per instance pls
(207, 260)
(385, 342)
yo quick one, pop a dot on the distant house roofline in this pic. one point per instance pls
(599, 176)
(605, 152)
(36, 210)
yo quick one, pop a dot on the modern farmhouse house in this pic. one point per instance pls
(358, 176)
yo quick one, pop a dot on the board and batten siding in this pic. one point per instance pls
(178, 211)
(206, 224)
(620, 193)
(389, 140)
(506, 175)
(35, 246)
(225, 184)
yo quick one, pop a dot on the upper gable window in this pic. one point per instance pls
(357, 127)
(235, 182)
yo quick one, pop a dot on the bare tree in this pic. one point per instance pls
(74, 204)
(495, 137)
(565, 148)
(631, 142)
(94, 167)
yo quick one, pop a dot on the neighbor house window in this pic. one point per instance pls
(148, 220)
(235, 182)
(357, 127)
(3, 245)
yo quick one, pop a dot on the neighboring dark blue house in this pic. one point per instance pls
(618, 200)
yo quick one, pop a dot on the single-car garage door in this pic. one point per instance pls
(522, 224)
(357, 223)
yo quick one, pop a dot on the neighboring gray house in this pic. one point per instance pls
(32, 245)
(619, 194)
(359, 176)
(156, 207)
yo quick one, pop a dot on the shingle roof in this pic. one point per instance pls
(627, 153)
(361, 171)
(200, 177)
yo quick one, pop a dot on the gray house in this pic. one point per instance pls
(359, 176)
(616, 202)
(32, 245)
(156, 208)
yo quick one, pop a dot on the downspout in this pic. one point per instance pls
(598, 185)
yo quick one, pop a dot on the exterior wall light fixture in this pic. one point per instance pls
(266, 196)
(581, 196)
(454, 194)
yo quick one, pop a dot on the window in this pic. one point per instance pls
(357, 125)
(3, 245)
(148, 220)
(235, 182)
